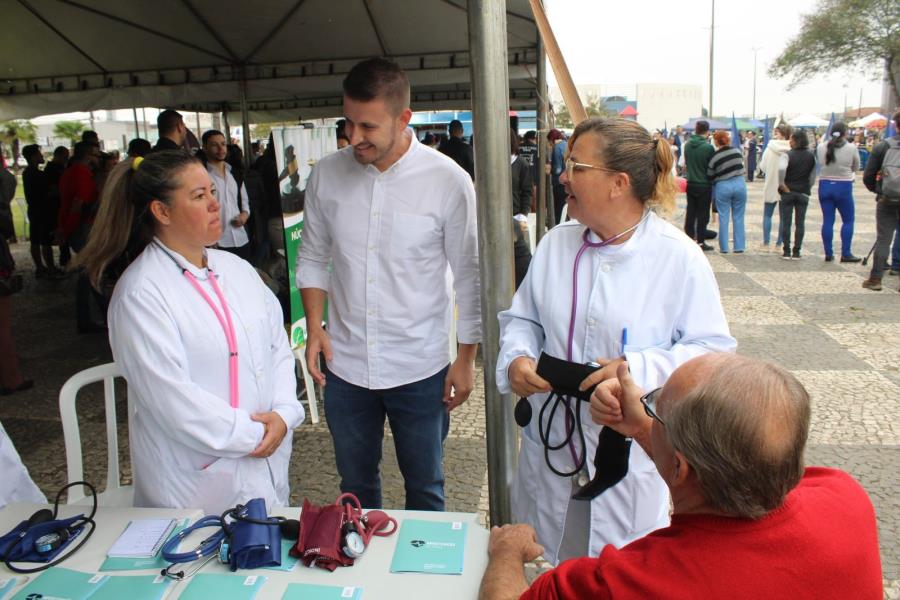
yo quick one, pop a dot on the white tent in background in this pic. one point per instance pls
(870, 121)
(807, 120)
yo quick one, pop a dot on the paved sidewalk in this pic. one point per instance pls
(843, 343)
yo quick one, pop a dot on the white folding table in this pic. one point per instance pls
(371, 571)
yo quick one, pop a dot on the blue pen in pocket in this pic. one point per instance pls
(624, 339)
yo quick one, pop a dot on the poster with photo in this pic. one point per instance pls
(297, 149)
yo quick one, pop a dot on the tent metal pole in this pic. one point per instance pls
(137, 129)
(226, 125)
(490, 102)
(144, 117)
(542, 126)
(245, 117)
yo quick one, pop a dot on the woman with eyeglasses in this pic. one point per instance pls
(198, 337)
(617, 283)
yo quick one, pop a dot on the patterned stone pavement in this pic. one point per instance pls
(810, 316)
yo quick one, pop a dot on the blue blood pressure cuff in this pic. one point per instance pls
(254, 540)
(42, 542)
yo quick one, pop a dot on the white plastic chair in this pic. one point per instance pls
(300, 355)
(115, 494)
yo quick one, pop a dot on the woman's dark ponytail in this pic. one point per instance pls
(838, 139)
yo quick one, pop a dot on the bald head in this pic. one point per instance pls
(742, 425)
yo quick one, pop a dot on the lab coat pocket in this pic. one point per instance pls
(412, 235)
(211, 488)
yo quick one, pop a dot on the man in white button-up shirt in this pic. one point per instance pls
(233, 200)
(384, 219)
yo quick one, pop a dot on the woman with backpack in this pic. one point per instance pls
(838, 161)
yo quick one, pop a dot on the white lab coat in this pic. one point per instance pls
(661, 288)
(189, 446)
(17, 485)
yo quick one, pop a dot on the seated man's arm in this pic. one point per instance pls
(510, 547)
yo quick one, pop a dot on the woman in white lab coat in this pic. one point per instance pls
(644, 293)
(200, 340)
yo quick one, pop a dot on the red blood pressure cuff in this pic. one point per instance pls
(320, 537)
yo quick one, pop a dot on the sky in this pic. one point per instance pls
(622, 43)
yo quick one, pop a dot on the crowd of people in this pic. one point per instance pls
(677, 415)
(791, 162)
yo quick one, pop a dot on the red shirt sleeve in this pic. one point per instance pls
(573, 579)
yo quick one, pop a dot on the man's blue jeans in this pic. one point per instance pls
(419, 422)
(731, 200)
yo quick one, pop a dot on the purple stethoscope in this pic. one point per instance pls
(573, 422)
(224, 320)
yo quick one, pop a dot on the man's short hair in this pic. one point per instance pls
(30, 152)
(896, 119)
(168, 121)
(60, 151)
(743, 430)
(139, 147)
(378, 78)
(701, 127)
(88, 135)
(82, 149)
(531, 134)
(455, 126)
(208, 134)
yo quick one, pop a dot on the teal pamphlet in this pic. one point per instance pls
(7, 585)
(62, 584)
(138, 564)
(430, 547)
(308, 591)
(288, 562)
(133, 587)
(205, 586)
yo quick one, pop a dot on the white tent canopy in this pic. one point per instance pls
(868, 120)
(67, 55)
(807, 120)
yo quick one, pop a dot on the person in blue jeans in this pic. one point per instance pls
(726, 171)
(838, 161)
(384, 220)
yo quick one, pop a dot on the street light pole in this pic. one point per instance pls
(755, 50)
(712, 29)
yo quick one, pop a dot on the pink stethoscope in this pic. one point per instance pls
(224, 320)
(585, 244)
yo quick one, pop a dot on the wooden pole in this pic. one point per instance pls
(560, 70)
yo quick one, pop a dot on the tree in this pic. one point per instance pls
(594, 107)
(14, 132)
(261, 131)
(70, 130)
(845, 34)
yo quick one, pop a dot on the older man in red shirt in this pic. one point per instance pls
(727, 434)
(78, 197)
